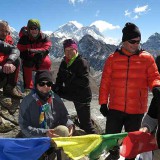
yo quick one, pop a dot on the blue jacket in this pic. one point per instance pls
(29, 116)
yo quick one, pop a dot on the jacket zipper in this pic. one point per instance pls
(126, 90)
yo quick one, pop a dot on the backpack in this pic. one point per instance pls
(23, 31)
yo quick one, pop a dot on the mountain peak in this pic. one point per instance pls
(78, 25)
(71, 24)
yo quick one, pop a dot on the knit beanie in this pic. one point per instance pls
(130, 31)
(33, 22)
(70, 43)
(43, 75)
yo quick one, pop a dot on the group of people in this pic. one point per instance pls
(42, 112)
(123, 92)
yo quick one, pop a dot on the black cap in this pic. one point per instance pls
(43, 75)
(130, 31)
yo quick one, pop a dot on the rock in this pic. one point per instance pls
(9, 114)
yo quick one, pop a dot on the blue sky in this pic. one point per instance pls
(109, 16)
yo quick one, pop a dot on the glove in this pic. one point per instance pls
(104, 110)
(25, 55)
(38, 60)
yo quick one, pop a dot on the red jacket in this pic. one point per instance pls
(125, 81)
(40, 46)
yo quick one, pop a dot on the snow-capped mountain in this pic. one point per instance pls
(92, 44)
(67, 30)
(14, 34)
(153, 44)
(95, 51)
(75, 30)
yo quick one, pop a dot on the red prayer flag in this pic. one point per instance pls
(137, 142)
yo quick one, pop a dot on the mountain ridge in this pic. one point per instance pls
(92, 43)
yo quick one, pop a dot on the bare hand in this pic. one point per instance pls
(71, 129)
(144, 129)
(50, 133)
(8, 68)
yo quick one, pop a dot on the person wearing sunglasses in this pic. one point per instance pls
(34, 49)
(9, 65)
(42, 112)
(72, 83)
(126, 77)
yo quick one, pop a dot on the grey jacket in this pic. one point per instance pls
(9, 50)
(29, 116)
(149, 122)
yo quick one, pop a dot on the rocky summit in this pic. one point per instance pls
(9, 116)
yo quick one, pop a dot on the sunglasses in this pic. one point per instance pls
(34, 28)
(134, 41)
(49, 84)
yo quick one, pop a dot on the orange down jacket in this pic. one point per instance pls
(125, 81)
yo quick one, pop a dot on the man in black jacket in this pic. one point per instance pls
(72, 83)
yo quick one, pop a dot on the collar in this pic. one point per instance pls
(70, 62)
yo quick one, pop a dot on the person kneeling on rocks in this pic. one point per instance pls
(42, 112)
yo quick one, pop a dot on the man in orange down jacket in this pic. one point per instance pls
(123, 94)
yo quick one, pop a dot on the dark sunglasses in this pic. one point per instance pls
(34, 28)
(49, 84)
(134, 41)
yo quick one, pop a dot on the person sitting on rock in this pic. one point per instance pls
(34, 48)
(42, 112)
(9, 64)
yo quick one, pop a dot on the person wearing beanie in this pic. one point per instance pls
(72, 83)
(34, 49)
(123, 95)
(42, 113)
(33, 26)
(130, 31)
